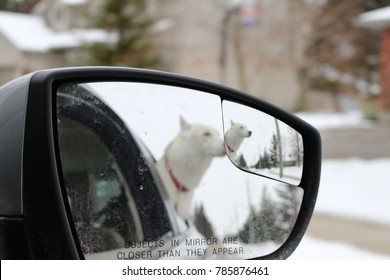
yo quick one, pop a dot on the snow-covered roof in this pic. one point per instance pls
(376, 19)
(30, 33)
(73, 2)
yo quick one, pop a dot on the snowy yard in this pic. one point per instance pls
(350, 188)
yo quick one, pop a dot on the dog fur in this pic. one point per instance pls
(185, 161)
(234, 137)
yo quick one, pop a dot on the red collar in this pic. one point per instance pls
(179, 186)
(228, 147)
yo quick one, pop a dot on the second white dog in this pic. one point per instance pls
(234, 137)
(185, 161)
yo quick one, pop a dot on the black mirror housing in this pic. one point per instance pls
(33, 197)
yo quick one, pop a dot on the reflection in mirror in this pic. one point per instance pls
(262, 144)
(148, 175)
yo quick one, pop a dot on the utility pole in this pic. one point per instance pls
(247, 11)
(228, 12)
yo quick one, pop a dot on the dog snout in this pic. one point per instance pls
(249, 133)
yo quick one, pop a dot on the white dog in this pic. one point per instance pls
(234, 137)
(185, 161)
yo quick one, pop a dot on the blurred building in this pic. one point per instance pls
(253, 45)
(379, 21)
(40, 40)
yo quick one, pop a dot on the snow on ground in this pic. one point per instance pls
(315, 249)
(350, 188)
(335, 120)
(357, 189)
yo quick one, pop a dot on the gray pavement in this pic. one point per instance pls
(371, 142)
(364, 142)
(361, 234)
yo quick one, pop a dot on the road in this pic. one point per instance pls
(365, 143)
(364, 235)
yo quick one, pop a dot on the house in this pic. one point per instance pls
(261, 54)
(379, 21)
(30, 42)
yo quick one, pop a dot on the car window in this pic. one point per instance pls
(101, 208)
(113, 204)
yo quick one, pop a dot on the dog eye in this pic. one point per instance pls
(206, 134)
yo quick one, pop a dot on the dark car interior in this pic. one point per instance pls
(112, 193)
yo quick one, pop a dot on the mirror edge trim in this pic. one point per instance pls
(311, 137)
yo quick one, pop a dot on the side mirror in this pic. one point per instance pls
(133, 164)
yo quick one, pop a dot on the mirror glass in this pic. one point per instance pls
(148, 174)
(262, 144)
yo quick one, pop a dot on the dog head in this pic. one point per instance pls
(235, 135)
(191, 152)
(202, 139)
(239, 130)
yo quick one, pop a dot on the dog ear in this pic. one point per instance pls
(184, 125)
(232, 122)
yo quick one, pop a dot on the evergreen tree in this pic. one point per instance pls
(265, 220)
(287, 211)
(242, 162)
(275, 219)
(128, 20)
(22, 6)
(257, 165)
(265, 161)
(261, 225)
(296, 148)
(3, 5)
(202, 223)
(245, 235)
